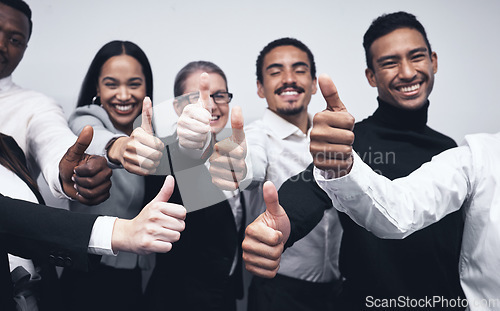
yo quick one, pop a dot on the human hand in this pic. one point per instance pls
(227, 162)
(331, 135)
(266, 236)
(157, 226)
(193, 126)
(141, 152)
(84, 177)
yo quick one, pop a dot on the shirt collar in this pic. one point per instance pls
(6, 83)
(281, 127)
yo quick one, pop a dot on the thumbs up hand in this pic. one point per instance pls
(193, 126)
(227, 162)
(331, 135)
(266, 236)
(84, 177)
(157, 226)
(142, 151)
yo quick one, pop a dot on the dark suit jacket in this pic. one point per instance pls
(194, 275)
(34, 231)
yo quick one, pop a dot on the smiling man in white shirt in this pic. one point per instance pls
(279, 148)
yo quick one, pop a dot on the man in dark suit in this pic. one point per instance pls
(64, 238)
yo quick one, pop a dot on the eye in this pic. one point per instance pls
(17, 41)
(219, 95)
(135, 85)
(418, 57)
(111, 85)
(388, 64)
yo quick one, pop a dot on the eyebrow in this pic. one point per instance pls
(277, 65)
(384, 58)
(115, 80)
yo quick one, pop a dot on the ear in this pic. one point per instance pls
(434, 59)
(370, 76)
(315, 86)
(260, 90)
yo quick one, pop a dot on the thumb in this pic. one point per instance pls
(205, 92)
(273, 207)
(147, 115)
(330, 93)
(166, 191)
(237, 125)
(75, 152)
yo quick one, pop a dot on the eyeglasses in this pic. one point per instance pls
(220, 98)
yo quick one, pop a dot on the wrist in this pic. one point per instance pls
(119, 235)
(113, 150)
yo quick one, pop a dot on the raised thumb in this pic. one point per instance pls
(237, 123)
(330, 93)
(147, 115)
(166, 190)
(75, 152)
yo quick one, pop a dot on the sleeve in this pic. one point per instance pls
(48, 139)
(40, 232)
(96, 117)
(256, 157)
(395, 209)
(304, 202)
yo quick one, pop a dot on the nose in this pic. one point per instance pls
(407, 70)
(289, 76)
(123, 94)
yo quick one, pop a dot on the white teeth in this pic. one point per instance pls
(215, 118)
(290, 93)
(410, 88)
(123, 107)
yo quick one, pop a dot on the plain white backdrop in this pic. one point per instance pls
(67, 34)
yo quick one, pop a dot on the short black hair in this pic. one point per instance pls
(22, 7)
(110, 49)
(387, 23)
(283, 42)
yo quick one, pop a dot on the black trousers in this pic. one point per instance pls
(103, 288)
(284, 293)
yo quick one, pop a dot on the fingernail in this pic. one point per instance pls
(76, 188)
(73, 178)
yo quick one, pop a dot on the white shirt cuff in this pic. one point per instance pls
(100, 238)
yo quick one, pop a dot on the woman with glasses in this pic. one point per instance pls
(111, 98)
(203, 271)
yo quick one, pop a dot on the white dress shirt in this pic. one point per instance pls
(39, 127)
(468, 174)
(279, 150)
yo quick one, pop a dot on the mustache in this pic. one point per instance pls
(292, 86)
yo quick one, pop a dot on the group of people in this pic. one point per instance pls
(175, 199)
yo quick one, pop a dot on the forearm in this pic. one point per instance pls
(395, 209)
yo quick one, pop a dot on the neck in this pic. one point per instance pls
(401, 118)
(300, 120)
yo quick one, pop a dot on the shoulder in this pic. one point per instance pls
(29, 95)
(87, 113)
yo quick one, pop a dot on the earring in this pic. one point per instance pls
(95, 100)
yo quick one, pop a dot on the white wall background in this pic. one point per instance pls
(67, 34)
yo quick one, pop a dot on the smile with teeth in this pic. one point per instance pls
(411, 88)
(289, 93)
(215, 118)
(124, 108)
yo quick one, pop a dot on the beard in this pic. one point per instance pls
(290, 111)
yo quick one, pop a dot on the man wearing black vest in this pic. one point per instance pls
(394, 141)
